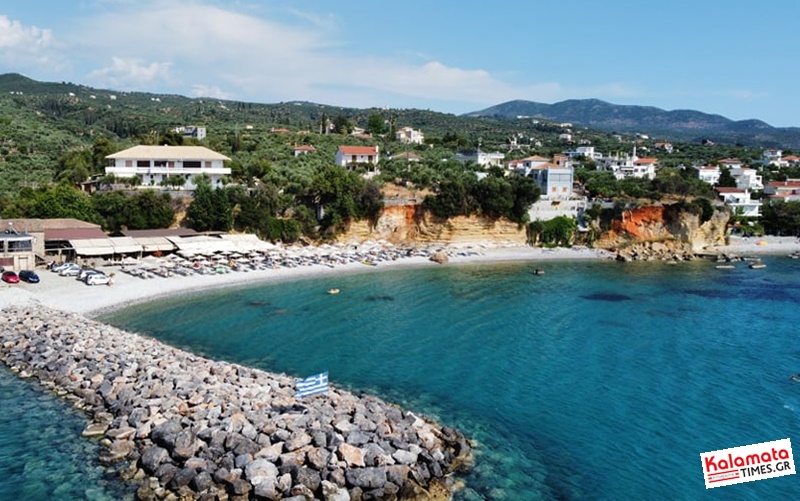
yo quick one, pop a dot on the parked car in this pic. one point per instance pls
(71, 270)
(57, 267)
(29, 276)
(10, 277)
(97, 279)
(85, 272)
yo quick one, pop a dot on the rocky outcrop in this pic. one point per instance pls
(409, 224)
(662, 232)
(183, 426)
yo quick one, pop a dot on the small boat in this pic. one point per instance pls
(757, 266)
(369, 263)
(795, 378)
(725, 266)
(333, 291)
(538, 271)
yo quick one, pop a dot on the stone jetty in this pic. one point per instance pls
(179, 426)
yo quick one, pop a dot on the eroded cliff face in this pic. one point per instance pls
(663, 228)
(409, 224)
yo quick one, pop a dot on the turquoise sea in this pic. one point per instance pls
(596, 380)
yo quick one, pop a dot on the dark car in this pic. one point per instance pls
(29, 276)
(10, 277)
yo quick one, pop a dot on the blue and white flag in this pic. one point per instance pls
(312, 385)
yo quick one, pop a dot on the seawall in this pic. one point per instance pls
(177, 425)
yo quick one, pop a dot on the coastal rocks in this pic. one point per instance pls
(181, 426)
(439, 257)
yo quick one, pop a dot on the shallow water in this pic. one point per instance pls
(597, 380)
(42, 455)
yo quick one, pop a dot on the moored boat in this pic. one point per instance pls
(333, 291)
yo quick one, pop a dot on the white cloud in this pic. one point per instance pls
(204, 48)
(199, 90)
(25, 46)
(128, 73)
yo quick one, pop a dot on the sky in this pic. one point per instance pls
(736, 59)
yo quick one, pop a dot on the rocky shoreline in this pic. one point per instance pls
(178, 426)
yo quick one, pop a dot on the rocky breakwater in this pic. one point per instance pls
(183, 427)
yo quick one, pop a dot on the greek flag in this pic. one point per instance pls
(312, 385)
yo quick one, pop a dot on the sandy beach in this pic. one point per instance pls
(69, 294)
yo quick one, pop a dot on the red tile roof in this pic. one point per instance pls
(795, 183)
(646, 161)
(304, 147)
(730, 161)
(359, 150)
(726, 189)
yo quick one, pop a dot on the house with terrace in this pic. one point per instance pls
(739, 201)
(555, 181)
(168, 166)
(352, 157)
(747, 179)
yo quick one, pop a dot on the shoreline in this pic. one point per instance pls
(70, 295)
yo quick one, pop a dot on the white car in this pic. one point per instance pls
(86, 272)
(98, 279)
(70, 271)
(60, 266)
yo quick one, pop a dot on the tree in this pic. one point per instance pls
(149, 209)
(342, 125)
(376, 125)
(200, 213)
(63, 201)
(726, 179)
(112, 207)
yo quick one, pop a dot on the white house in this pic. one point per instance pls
(407, 135)
(154, 164)
(730, 163)
(773, 157)
(629, 166)
(783, 190)
(555, 181)
(481, 158)
(664, 146)
(747, 179)
(191, 132)
(303, 149)
(352, 157)
(708, 173)
(587, 152)
(739, 201)
(524, 165)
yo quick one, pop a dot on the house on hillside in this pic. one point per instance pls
(664, 146)
(351, 157)
(555, 181)
(407, 135)
(481, 158)
(787, 191)
(191, 132)
(302, 149)
(155, 164)
(628, 166)
(739, 201)
(773, 157)
(523, 166)
(708, 173)
(747, 179)
(730, 163)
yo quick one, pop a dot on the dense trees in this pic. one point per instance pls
(494, 196)
(781, 218)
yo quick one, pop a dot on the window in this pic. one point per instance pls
(143, 163)
(128, 163)
(191, 164)
(208, 164)
(159, 163)
(20, 245)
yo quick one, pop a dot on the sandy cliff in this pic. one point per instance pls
(409, 224)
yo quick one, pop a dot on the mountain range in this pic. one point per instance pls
(686, 125)
(675, 125)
